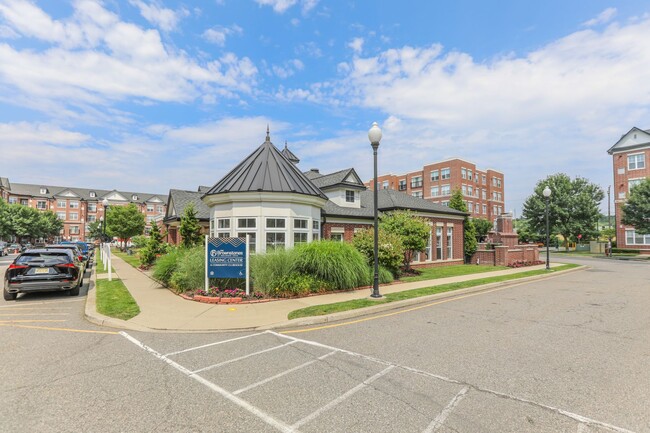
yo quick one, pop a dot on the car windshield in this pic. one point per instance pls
(45, 258)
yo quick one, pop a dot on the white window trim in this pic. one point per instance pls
(636, 162)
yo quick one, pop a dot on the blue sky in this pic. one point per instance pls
(147, 95)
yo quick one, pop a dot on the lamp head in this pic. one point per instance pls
(374, 134)
(547, 192)
(105, 202)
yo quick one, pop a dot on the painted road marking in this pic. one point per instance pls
(228, 395)
(442, 416)
(242, 357)
(340, 399)
(26, 303)
(214, 344)
(395, 313)
(47, 328)
(34, 314)
(284, 373)
(574, 416)
(29, 321)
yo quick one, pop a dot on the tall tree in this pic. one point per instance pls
(412, 230)
(190, 229)
(482, 226)
(470, 243)
(124, 222)
(573, 207)
(155, 239)
(4, 219)
(95, 230)
(636, 211)
(50, 225)
(24, 221)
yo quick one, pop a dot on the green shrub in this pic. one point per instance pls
(167, 264)
(268, 270)
(389, 247)
(190, 270)
(625, 250)
(339, 264)
(139, 241)
(147, 257)
(385, 276)
(294, 285)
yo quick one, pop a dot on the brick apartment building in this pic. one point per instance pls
(630, 157)
(78, 207)
(483, 190)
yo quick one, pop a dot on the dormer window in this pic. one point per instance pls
(92, 194)
(43, 190)
(134, 197)
(349, 196)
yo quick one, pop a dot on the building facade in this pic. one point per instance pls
(630, 156)
(483, 190)
(269, 199)
(78, 207)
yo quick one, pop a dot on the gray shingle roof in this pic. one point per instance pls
(337, 179)
(267, 170)
(388, 200)
(4, 183)
(181, 199)
(34, 190)
(289, 154)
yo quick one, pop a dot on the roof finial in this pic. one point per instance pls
(268, 136)
(285, 144)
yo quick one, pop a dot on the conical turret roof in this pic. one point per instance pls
(289, 154)
(266, 170)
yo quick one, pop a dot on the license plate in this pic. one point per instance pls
(42, 271)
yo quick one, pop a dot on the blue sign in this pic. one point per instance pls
(226, 258)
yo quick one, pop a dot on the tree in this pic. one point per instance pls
(482, 227)
(470, 243)
(412, 230)
(573, 208)
(124, 222)
(155, 239)
(95, 230)
(389, 249)
(636, 211)
(526, 234)
(190, 229)
(23, 221)
(4, 219)
(50, 224)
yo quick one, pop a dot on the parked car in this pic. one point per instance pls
(87, 252)
(15, 248)
(43, 270)
(75, 250)
(4, 249)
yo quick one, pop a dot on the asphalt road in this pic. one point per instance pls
(567, 354)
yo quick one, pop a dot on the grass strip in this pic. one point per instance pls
(451, 271)
(98, 263)
(114, 300)
(133, 260)
(321, 310)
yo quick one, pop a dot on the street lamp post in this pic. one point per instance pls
(547, 195)
(374, 135)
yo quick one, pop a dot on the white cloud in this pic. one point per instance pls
(602, 18)
(279, 6)
(218, 34)
(111, 60)
(25, 134)
(356, 44)
(288, 68)
(158, 15)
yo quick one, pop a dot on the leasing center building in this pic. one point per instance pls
(267, 197)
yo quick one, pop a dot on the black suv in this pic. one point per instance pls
(43, 270)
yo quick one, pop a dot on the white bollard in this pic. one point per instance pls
(110, 271)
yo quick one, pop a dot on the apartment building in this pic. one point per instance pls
(630, 157)
(78, 207)
(483, 190)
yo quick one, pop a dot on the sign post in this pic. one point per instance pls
(226, 258)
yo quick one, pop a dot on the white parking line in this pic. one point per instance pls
(284, 373)
(209, 367)
(340, 399)
(582, 419)
(214, 344)
(228, 395)
(26, 304)
(442, 416)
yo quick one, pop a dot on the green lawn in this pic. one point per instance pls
(320, 310)
(99, 265)
(133, 260)
(114, 300)
(451, 271)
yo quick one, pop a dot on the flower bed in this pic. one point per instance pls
(216, 295)
(523, 263)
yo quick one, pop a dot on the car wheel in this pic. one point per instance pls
(75, 291)
(9, 296)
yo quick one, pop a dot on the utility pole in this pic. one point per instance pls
(609, 223)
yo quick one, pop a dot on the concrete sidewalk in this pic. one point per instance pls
(163, 310)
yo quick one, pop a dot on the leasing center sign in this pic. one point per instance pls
(226, 258)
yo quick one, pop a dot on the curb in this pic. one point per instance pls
(94, 317)
(317, 320)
